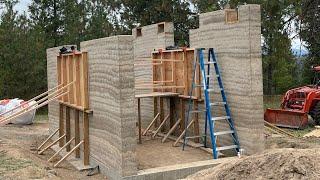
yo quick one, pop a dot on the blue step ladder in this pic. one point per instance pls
(208, 112)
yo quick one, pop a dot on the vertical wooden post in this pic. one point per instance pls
(171, 112)
(139, 121)
(84, 81)
(70, 78)
(77, 81)
(61, 125)
(77, 131)
(68, 130)
(182, 123)
(64, 76)
(86, 151)
(197, 80)
(185, 75)
(163, 74)
(155, 109)
(174, 79)
(59, 72)
(161, 111)
(196, 122)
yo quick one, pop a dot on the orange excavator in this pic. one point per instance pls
(296, 105)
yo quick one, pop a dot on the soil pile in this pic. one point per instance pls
(284, 163)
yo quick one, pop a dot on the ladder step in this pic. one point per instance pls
(220, 118)
(211, 62)
(223, 133)
(211, 76)
(226, 147)
(197, 111)
(192, 137)
(218, 103)
(198, 85)
(212, 90)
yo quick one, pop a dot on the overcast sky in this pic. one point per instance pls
(23, 5)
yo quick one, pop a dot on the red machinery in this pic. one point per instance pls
(296, 105)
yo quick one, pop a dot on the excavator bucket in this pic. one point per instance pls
(286, 118)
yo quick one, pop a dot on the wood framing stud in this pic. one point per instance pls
(161, 110)
(61, 125)
(196, 130)
(86, 150)
(139, 120)
(68, 129)
(77, 131)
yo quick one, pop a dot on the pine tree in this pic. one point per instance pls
(310, 33)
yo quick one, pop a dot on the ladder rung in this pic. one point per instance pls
(211, 62)
(226, 147)
(220, 118)
(223, 132)
(197, 111)
(198, 85)
(218, 103)
(192, 137)
(211, 90)
(210, 76)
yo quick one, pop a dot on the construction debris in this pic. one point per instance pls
(277, 130)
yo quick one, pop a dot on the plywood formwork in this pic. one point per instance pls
(238, 49)
(73, 68)
(173, 72)
(53, 107)
(145, 40)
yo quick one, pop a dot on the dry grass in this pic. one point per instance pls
(11, 164)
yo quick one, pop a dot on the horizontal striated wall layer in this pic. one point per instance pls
(238, 50)
(111, 92)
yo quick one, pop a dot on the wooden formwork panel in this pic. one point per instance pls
(73, 68)
(173, 72)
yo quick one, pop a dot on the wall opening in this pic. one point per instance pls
(160, 28)
(139, 32)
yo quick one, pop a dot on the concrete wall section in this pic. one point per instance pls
(149, 38)
(111, 92)
(238, 49)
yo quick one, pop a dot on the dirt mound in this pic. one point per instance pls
(276, 164)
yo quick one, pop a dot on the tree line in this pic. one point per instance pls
(24, 37)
